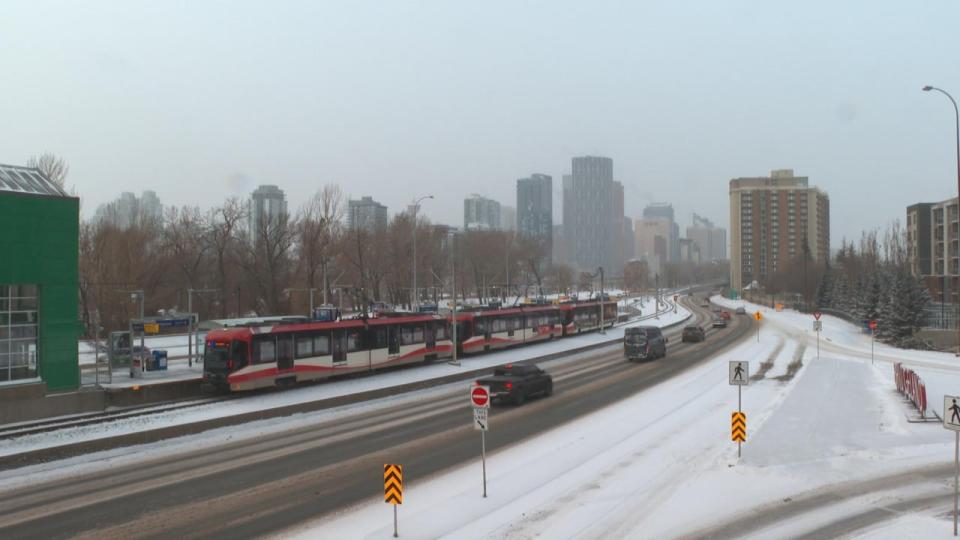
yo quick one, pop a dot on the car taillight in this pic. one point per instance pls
(509, 386)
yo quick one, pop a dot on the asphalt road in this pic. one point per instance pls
(252, 488)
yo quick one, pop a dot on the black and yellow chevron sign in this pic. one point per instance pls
(738, 427)
(392, 484)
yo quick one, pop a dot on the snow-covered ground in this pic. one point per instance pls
(826, 434)
(325, 390)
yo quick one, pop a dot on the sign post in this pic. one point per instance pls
(675, 298)
(758, 317)
(873, 332)
(951, 421)
(393, 489)
(817, 327)
(739, 376)
(480, 399)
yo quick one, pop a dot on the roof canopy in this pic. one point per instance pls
(27, 180)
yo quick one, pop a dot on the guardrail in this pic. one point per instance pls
(911, 386)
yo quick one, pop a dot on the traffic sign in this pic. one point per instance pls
(817, 326)
(151, 328)
(757, 316)
(481, 418)
(738, 427)
(739, 373)
(676, 297)
(392, 483)
(951, 412)
(816, 315)
(873, 325)
(480, 396)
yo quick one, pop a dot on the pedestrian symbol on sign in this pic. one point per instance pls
(955, 412)
(739, 373)
(951, 413)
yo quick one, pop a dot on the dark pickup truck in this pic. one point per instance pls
(517, 382)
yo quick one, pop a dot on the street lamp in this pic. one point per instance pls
(416, 206)
(191, 328)
(956, 116)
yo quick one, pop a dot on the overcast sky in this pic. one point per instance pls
(203, 100)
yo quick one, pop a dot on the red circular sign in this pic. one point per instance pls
(873, 325)
(479, 396)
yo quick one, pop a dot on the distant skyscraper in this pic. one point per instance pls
(665, 211)
(481, 213)
(367, 214)
(535, 209)
(711, 240)
(773, 220)
(267, 205)
(127, 210)
(590, 222)
(653, 242)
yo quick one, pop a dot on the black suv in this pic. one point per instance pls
(693, 333)
(643, 343)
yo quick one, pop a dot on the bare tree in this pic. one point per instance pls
(222, 226)
(53, 167)
(182, 239)
(266, 260)
(318, 232)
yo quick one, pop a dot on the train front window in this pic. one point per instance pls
(216, 355)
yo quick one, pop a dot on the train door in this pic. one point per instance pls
(284, 352)
(393, 339)
(430, 337)
(338, 347)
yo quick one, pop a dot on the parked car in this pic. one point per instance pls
(643, 343)
(719, 322)
(517, 382)
(693, 333)
(741, 311)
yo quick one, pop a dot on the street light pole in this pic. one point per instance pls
(415, 302)
(956, 115)
(191, 328)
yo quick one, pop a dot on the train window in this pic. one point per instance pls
(265, 351)
(500, 325)
(304, 347)
(418, 334)
(321, 345)
(406, 335)
(239, 353)
(480, 325)
(354, 342)
(441, 331)
(379, 338)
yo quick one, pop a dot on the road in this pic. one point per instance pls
(251, 488)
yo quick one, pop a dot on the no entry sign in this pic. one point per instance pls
(480, 396)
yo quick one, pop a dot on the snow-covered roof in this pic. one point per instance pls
(27, 180)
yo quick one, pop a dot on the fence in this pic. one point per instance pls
(910, 385)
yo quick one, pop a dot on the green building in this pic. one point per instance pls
(39, 225)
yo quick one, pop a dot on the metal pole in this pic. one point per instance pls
(740, 410)
(143, 330)
(603, 329)
(311, 301)
(956, 113)
(190, 328)
(453, 281)
(872, 333)
(416, 205)
(483, 458)
(395, 521)
(956, 477)
(818, 345)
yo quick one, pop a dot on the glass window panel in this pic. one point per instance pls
(321, 345)
(304, 347)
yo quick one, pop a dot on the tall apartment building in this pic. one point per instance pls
(366, 214)
(590, 224)
(711, 240)
(535, 209)
(508, 218)
(267, 204)
(128, 210)
(672, 238)
(932, 248)
(653, 242)
(771, 219)
(481, 214)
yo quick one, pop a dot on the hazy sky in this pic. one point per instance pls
(203, 100)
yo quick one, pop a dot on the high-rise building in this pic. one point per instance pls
(481, 214)
(652, 237)
(508, 218)
(266, 207)
(773, 221)
(127, 210)
(932, 248)
(535, 209)
(672, 238)
(590, 224)
(689, 251)
(711, 240)
(366, 214)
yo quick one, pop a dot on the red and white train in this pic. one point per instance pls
(258, 356)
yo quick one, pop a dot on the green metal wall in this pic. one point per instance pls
(39, 244)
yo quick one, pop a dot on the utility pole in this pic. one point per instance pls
(415, 301)
(453, 279)
(191, 327)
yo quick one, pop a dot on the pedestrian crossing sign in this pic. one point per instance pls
(951, 412)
